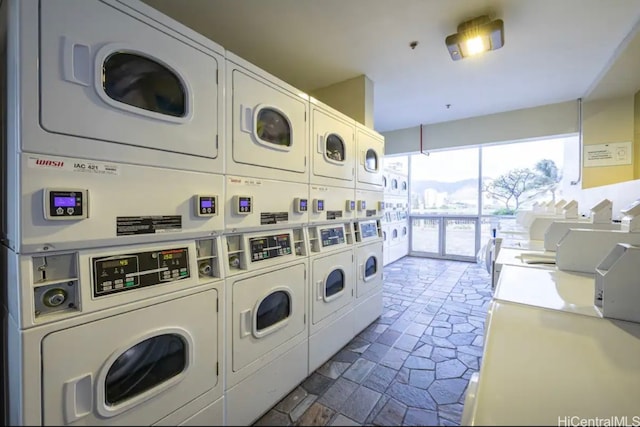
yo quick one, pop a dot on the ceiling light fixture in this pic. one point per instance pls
(475, 36)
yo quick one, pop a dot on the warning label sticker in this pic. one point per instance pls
(273, 217)
(73, 165)
(130, 225)
(334, 214)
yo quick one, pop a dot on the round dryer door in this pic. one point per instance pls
(144, 366)
(370, 267)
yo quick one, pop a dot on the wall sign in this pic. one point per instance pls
(610, 154)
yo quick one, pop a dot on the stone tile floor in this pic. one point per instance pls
(412, 365)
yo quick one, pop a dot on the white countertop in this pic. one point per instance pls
(550, 289)
(540, 366)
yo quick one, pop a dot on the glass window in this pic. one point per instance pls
(395, 234)
(384, 181)
(371, 267)
(144, 366)
(141, 82)
(334, 148)
(371, 160)
(404, 185)
(384, 235)
(404, 231)
(274, 127)
(334, 283)
(532, 174)
(394, 184)
(273, 309)
(445, 182)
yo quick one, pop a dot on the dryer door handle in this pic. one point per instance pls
(76, 62)
(78, 397)
(361, 269)
(246, 119)
(319, 287)
(320, 144)
(245, 322)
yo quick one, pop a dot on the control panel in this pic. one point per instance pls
(242, 205)
(300, 205)
(205, 205)
(65, 204)
(362, 205)
(332, 236)
(368, 229)
(124, 272)
(268, 247)
(318, 205)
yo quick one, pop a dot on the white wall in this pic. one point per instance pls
(538, 122)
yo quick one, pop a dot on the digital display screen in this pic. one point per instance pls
(115, 263)
(303, 203)
(244, 203)
(206, 203)
(64, 202)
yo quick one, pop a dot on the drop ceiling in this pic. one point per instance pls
(554, 51)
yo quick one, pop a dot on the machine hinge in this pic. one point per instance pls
(217, 142)
(305, 161)
(351, 292)
(305, 275)
(217, 72)
(305, 319)
(217, 305)
(217, 369)
(352, 258)
(305, 116)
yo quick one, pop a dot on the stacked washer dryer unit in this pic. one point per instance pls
(266, 259)
(111, 232)
(396, 222)
(330, 233)
(367, 227)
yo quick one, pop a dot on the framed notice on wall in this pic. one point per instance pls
(610, 154)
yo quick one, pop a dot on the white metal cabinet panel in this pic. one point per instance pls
(75, 40)
(323, 305)
(332, 165)
(75, 363)
(266, 124)
(370, 151)
(369, 264)
(249, 343)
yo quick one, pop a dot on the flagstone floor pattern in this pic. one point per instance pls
(412, 365)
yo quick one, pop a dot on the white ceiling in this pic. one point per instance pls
(554, 51)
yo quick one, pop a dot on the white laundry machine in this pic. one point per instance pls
(333, 146)
(266, 124)
(369, 152)
(124, 335)
(132, 86)
(369, 278)
(91, 204)
(266, 324)
(331, 262)
(260, 203)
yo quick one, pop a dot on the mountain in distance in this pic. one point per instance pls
(419, 186)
